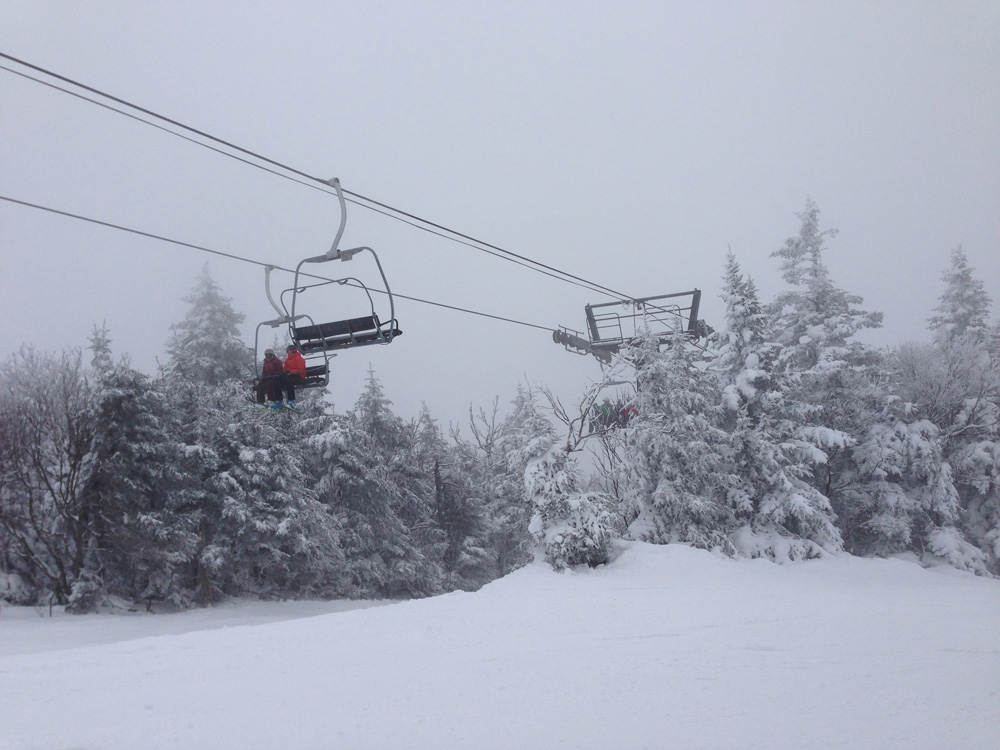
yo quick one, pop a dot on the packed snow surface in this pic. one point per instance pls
(667, 647)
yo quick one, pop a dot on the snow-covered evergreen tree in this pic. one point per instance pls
(833, 392)
(260, 526)
(955, 384)
(526, 433)
(747, 325)
(903, 497)
(815, 320)
(263, 529)
(964, 306)
(781, 514)
(206, 347)
(368, 480)
(101, 360)
(458, 510)
(571, 527)
(140, 484)
(677, 470)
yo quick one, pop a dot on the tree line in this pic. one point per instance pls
(788, 438)
(782, 436)
(176, 489)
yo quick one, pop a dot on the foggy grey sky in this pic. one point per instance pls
(629, 143)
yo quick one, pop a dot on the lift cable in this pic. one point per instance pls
(243, 259)
(281, 174)
(316, 182)
(321, 185)
(131, 116)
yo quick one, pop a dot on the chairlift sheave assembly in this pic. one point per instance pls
(319, 342)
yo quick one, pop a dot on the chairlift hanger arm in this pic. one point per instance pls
(335, 184)
(282, 311)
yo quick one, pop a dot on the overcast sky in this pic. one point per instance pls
(628, 143)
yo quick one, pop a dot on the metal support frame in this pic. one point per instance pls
(612, 328)
(611, 325)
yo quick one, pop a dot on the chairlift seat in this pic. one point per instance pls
(342, 334)
(315, 376)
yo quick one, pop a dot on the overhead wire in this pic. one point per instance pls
(131, 116)
(316, 182)
(313, 185)
(244, 259)
(321, 185)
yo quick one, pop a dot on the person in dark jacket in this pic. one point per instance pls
(269, 383)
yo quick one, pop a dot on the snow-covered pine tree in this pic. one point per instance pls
(480, 465)
(525, 434)
(677, 470)
(903, 497)
(815, 321)
(570, 527)
(263, 529)
(781, 515)
(832, 386)
(964, 306)
(367, 479)
(955, 383)
(747, 326)
(458, 511)
(101, 359)
(140, 484)
(205, 347)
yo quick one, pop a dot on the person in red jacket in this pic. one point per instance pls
(270, 378)
(295, 372)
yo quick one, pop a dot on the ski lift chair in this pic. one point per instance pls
(352, 332)
(318, 342)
